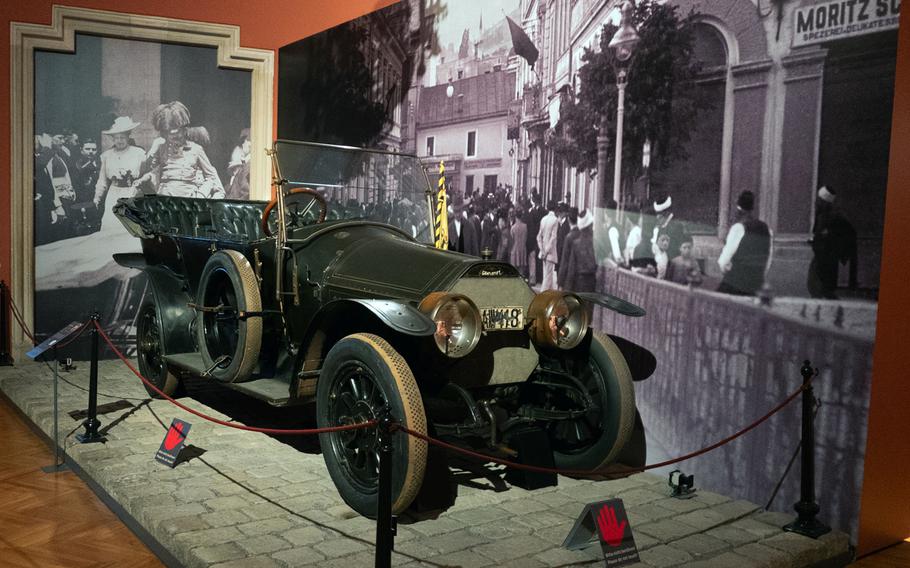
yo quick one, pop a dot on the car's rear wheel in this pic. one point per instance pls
(150, 351)
(362, 373)
(228, 339)
(595, 439)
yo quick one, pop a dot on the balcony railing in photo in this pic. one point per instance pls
(722, 361)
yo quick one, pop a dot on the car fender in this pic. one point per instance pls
(341, 317)
(174, 315)
(611, 302)
(642, 363)
(399, 316)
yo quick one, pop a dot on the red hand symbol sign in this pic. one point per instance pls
(174, 436)
(610, 530)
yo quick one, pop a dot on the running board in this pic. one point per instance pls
(273, 391)
(191, 362)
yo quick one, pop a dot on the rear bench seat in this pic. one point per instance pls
(231, 220)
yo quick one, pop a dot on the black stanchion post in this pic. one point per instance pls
(385, 521)
(806, 524)
(5, 358)
(92, 423)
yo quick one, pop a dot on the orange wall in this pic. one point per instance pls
(885, 516)
(885, 507)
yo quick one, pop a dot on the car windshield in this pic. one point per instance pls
(363, 184)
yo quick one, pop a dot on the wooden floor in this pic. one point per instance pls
(897, 556)
(53, 519)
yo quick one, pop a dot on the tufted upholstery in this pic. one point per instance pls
(182, 216)
(238, 220)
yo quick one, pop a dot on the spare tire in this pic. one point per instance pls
(229, 284)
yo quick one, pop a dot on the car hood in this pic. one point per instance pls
(395, 267)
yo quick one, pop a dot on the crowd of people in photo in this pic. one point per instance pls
(556, 246)
(402, 212)
(76, 185)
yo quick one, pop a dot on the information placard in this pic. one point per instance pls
(53, 340)
(605, 522)
(173, 442)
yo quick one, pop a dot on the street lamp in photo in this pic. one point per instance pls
(623, 45)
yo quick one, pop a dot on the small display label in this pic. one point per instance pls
(173, 442)
(606, 523)
(503, 318)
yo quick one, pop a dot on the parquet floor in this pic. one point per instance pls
(897, 556)
(54, 520)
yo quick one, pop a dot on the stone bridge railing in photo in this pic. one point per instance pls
(724, 361)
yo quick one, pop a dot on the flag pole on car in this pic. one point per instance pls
(442, 219)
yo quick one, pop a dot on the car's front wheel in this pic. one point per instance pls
(596, 438)
(362, 373)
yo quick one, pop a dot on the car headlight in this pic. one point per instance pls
(560, 319)
(458, 323)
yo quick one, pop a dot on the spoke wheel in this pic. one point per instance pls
(362, 373)
(150, 352)
(594, 439)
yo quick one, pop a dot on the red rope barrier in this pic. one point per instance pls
(299, 432)
(630, 470)
(424, 437)
(20, 320)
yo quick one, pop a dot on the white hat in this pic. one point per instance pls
(121, 124)
(826, 194)
(667, 203)
(585, 220)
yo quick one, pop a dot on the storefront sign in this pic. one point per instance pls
(480, 164)
(838, 19)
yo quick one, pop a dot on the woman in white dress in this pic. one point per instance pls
(120, 172)
(87, 260)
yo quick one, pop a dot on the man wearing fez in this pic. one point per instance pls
(833, 242)
(746, 255)
(579, 260)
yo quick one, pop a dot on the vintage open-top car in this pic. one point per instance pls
(334, 291)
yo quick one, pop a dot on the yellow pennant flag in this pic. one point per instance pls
(442, 216)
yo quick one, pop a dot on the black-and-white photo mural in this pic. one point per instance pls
(722, 164)
(117, 119)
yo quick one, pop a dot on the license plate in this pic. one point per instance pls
(509, 317)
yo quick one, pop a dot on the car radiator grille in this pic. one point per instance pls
(514, 358)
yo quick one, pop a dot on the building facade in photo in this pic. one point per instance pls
(798, 99)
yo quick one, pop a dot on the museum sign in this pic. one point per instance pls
(840, 19)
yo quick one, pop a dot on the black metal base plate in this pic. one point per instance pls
(811, 529)
(91, 439)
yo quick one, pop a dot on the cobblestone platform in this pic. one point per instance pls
(250, 500)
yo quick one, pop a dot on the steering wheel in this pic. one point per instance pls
(317, 198)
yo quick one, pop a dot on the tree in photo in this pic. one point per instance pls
(661, 103)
